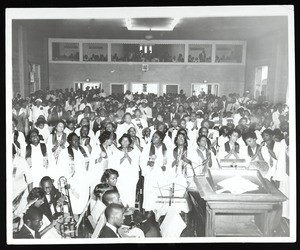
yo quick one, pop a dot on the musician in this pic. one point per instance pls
(97, 207)
(54, 198)
(37, 157)
(144, 226)
(114, 214)
(32, 224)
(36, 198)
(126, 162)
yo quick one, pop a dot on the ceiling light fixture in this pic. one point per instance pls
(170, 27)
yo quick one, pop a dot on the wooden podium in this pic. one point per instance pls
(246, 214)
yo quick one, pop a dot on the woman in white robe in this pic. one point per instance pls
(37, 157)
(57, 142)
(22, 183)
(126, 162)
(101, 157)
(75, 161)
(231, 149)
(155, 161)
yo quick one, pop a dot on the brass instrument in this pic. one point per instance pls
(66, 226)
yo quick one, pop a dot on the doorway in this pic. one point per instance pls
(261, 81)
(170, 88)
(34, 77)
(145, 88)
(208, 88)
(84, 85)
(118, 88)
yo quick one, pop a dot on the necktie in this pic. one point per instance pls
(37, 235)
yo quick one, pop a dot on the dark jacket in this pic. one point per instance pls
(24, 233)
(106, 232)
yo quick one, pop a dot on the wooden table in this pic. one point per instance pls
(247, 214)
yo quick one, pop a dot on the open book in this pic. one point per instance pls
(236, 185)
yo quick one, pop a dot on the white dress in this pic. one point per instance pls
(96, 168)
(38, 171)
(21, 179)
(128, 175)
(79, 180)
(154, 177)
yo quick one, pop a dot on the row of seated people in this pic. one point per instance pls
(41, 213)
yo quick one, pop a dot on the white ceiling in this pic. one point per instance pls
(199, 28)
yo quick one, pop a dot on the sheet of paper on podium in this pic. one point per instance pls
(237, 185)
(173, 224)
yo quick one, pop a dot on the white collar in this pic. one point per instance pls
(31, 231)
(112, 228)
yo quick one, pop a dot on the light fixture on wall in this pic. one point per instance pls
(87, 79)
(205, 81)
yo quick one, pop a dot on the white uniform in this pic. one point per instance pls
(128, 175)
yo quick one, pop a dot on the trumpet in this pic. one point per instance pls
(63, 188)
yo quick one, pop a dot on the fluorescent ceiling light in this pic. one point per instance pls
(170, 27)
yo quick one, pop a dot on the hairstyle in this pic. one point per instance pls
(127, 113)
(185, 139)
(86, 118)
(249, 135)
(32, 213)
(104, 136)
(44, 179)
(100, 189)
(107, 173)
(131, 128)
(268, 131)
(70, 137)
(235, 131)
(109, 209)
(144, 131)
(221, 129)
(160, 134)
(34, 130)
(125, 136)
(35, 193)
(105, 196)
(200, 137)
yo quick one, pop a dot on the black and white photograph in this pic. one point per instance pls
(150, 124)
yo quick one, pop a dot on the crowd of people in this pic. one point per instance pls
(111, 147)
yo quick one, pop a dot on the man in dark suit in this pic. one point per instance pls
(32, 224)
(58, 114)
(114, 214)
(53, 197)
(171, 115)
